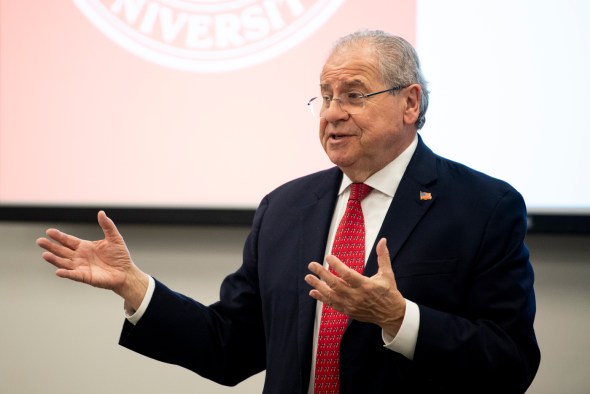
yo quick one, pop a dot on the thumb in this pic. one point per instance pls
(108, 227)
(383, 258)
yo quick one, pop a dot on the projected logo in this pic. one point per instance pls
(208, 35)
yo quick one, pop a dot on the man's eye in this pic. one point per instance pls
(354, 96)
(326, 100)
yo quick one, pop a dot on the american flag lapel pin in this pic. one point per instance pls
(425, 196)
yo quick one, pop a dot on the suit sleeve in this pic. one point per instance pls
(490, 345)
(223, 342)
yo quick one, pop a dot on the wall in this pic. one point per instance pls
(57, 336)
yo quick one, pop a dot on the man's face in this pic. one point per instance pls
(363, 143)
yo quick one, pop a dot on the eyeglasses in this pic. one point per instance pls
(351, 102)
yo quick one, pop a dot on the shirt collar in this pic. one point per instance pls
(387, 179)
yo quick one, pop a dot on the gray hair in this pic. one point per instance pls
(398, 62)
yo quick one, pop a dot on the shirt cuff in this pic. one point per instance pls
(134, 316)
(405, 340)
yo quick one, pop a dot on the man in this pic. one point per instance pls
(445, 302)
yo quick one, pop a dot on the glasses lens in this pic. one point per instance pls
(351, 103)
(315, 106)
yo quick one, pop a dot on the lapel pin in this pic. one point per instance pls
(425, 196)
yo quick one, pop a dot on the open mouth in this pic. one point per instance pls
(337, 137)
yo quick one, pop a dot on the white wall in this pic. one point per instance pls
(61, 337)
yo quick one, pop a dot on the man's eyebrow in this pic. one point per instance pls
(355, 83)
(352, 84)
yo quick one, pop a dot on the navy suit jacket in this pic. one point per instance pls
(459, 255)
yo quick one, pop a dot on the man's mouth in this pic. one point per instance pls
(338, 136)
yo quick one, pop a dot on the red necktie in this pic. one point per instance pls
(349, 247)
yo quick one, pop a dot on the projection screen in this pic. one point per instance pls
(201, 104)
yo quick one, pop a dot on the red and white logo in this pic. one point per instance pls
(208, 35)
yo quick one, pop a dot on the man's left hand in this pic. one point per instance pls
(373, 300)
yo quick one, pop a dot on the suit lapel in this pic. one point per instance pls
(413, 198)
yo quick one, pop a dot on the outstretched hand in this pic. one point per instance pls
(375, 300)
(105, 263)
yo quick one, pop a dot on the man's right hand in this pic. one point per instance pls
(105, 263)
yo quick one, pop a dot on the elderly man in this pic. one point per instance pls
(426, 285)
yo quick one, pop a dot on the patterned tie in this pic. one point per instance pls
(349, 247)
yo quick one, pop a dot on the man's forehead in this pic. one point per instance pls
(347, 78)
(349, 68)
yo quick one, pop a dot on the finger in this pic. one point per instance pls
(320, 297)
(327, 280)
(322, 279)
(59, 262)
(108, 227)
(55, 247)
(336, 264)
(323, 284)
(69, 274)
(317, 284)
(320, 271)
(383, 258)
(347, 276)
(67, 240)
(321, 291)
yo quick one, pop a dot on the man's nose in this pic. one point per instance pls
(335, 112)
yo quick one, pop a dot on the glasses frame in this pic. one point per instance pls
(364, 97)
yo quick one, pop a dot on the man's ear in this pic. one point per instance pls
(412, 94)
